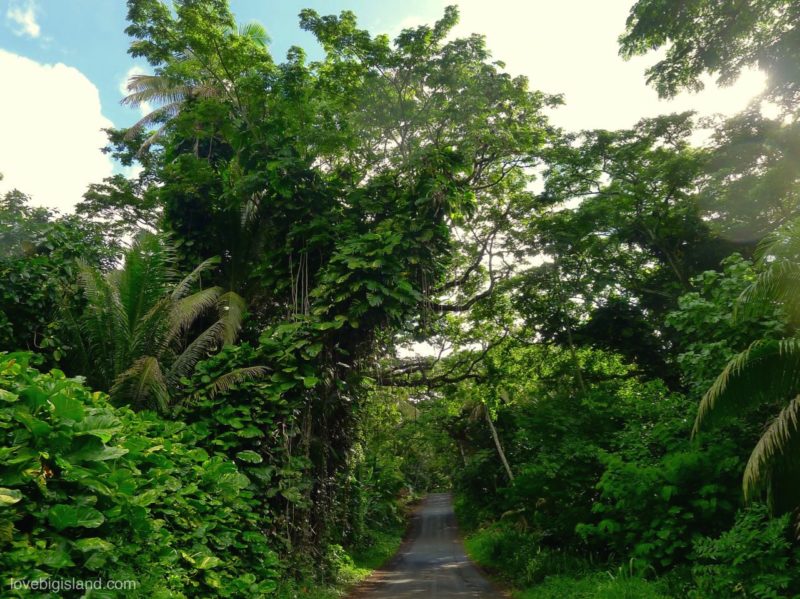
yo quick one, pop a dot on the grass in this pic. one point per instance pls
(516, 559)
(385, 545)
(594, 586)
(352, 566)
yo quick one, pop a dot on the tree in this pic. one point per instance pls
(620, 234)
(39, 252)
(144, 328)
(768, 371)
(751, 184)
(719, 37)
(341, 195)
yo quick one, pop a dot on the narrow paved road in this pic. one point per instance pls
(431, 563)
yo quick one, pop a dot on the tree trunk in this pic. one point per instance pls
(500, 451)
(461, 450)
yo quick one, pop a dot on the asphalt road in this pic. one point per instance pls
(431, 563)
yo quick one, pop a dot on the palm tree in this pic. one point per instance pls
(768, 370)
(192, 76)
(145, 328)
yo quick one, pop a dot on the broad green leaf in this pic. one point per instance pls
(66, 408)
(102, 426)
(250, 456)
(9, 496)
(93, 544)
(7, 396)
(313, 349)
(71, 516)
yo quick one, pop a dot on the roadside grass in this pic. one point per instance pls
(593, 586)
(516, 560)
(349, 567)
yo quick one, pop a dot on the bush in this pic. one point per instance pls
(754, 558)
(653, 512)
(92, 491)
(517, 555)
(597, 586)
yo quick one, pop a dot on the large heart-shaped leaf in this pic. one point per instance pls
(72, 516)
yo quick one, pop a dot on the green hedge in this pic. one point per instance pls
(92, 491)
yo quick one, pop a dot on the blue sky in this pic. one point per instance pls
(89, 34)
(68, 62)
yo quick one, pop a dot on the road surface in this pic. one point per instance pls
(431, 563)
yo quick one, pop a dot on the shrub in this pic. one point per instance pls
(652, 512)
(754, 558)
(92, 491)
(518, 556)
(597, 586)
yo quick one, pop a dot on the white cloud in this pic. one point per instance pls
(24, 15)
(51, 132)
(571, 47)
(145, 108)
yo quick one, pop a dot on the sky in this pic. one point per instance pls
(64, 65)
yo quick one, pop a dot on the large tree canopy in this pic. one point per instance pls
(718, 37)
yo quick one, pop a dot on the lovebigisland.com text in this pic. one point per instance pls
(57, 585)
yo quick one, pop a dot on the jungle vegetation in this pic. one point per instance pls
(205, 376)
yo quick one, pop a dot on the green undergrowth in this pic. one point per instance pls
(347, 567)
(599, 585)
(515, 558)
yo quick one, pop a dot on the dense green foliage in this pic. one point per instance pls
(607, 372)
(91, 490)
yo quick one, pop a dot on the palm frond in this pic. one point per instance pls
(169, 94)
(160, 90)
(232, 309)
(256, 32)
(185, 312)
(779, 283)
(228, 380)
(778, 256)
(249, 210)
(147, 273)
(203, 345)
(150, 334)
(777, 448)
(103, 326)
(158, 116)
(143, 384)
(768, 368)
(185, 286)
